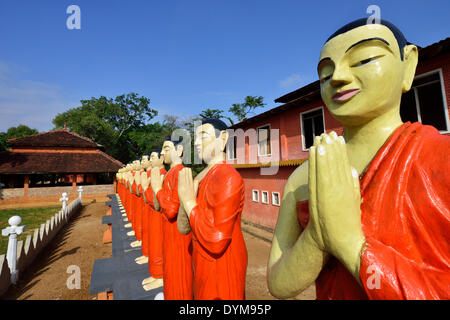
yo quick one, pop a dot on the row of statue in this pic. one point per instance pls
(189, 229)
(366, 217)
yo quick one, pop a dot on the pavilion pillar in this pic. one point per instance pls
(25, 186)
(74, 184)
(115, 184)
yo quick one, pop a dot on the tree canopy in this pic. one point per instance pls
(120, 124)
(15, 132)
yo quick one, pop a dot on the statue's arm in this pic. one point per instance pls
(156, 202)
(183, 224)
(295, 260)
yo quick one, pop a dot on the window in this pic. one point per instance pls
(312, 125)
(276, 198)
(255, 195)
(265, 197)
(231, 148)
(425, 102)
(264, 140)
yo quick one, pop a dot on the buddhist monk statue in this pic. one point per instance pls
(135, 202)
(177, 247)
(219, 253)
(142, 184)
(153, 236)
(377, 198)
(140, 200)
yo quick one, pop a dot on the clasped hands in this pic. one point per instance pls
(145, 181)
(187, 190)
(334, 201)
(156, 180)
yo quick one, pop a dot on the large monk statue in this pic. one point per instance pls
(177, 248)
(153, 236)
(377, 198)
(219, 253)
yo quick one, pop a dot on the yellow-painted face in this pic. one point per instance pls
(206, 143)
(168, 152)
(145, 163)
(362, 75)
(155, 160)
(136, 165)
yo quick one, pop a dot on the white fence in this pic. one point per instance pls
(26, 251)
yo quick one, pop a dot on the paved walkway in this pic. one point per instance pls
(80, 243)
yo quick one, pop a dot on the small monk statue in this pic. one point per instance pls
(153, 234)
(135, 203)
(177, 248)
(219, 253)
(140, 200)
(142, 184)
(377, 198)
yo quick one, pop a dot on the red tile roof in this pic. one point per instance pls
(45, 162)
(58, 138)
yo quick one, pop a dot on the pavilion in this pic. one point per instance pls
(43, 164)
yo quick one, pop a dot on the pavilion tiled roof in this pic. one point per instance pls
(57, 138)
(57, 162)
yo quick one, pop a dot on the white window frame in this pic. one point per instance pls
(444, 98)
(279, 200)
(254, 191)
(228, 150)
(270, 140)
(301, 124)
(262, 198)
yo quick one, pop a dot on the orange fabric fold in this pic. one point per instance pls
(177, 248)
(405, 216)
(219, 252)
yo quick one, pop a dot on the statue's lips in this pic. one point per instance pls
(345, 95)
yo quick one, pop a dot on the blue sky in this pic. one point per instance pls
(184, 55)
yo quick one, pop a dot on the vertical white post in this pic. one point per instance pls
(64, 200)
(11, 255)
(80, 191)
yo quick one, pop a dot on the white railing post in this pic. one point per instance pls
(80, 191)
(11, 255)
(64, 200)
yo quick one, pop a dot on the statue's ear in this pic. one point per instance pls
(410, 59)
(179, 150)
(224, 137)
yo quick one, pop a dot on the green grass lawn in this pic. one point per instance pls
(32, 218)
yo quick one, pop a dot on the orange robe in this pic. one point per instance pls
(134, 206)
(219, 253)
(177, 248)
(154, 235)
(405, 216)
(139, 211)
(145, 219)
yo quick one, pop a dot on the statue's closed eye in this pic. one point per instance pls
(366, 61)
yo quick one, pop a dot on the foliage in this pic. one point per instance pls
(15, 132)
(119, 124)
(241, 110)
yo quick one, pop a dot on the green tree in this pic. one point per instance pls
(214, 114)
(20, 131)
(117, 124)
(241, 110)
(15, 132)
